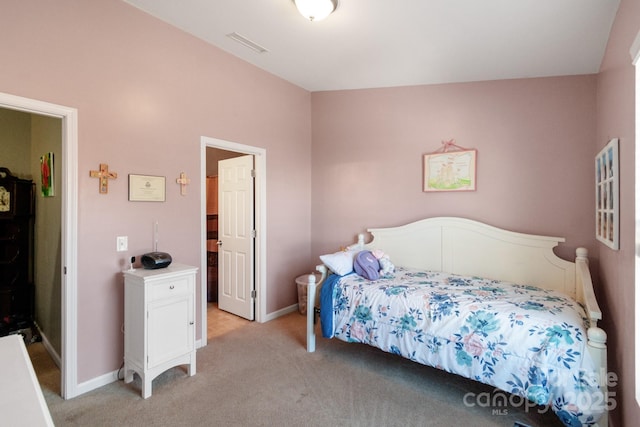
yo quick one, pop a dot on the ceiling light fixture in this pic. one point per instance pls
(316, 10)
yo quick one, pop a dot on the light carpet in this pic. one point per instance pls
(261, 375)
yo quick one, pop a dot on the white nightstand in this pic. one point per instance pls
(159, 322)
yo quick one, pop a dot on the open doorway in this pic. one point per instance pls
(31, 281)
(219, 321)
(211, 149)
(65, 240)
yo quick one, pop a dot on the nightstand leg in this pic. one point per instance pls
(128, 375)
(192, 366)
(146, 386)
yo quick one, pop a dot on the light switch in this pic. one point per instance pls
(122, 243)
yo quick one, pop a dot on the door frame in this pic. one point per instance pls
(260, 209)
(69, 231)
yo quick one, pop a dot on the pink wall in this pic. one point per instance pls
(145, 94)
(616, 119)
(534, 139)
(143, 87)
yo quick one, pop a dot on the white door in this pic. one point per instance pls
(236, 236)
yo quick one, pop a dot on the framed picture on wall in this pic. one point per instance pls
(450, 171)
(146, 188)
(607, 195)
(46, 175)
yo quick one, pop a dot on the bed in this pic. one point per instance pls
(492, 305)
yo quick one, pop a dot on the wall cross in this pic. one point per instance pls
(104, 175)
(183, 181)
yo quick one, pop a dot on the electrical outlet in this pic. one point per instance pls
(122, 243)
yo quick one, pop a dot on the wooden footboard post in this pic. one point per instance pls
(311, 314)
(597, 346)
(596, 337)
(312, 291)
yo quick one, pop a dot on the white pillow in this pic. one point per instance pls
(340, 263)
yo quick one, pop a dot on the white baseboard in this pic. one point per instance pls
(47, 345)
(97, 382)
(87, 386)
(281, 312)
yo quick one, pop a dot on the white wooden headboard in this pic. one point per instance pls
(463, 246)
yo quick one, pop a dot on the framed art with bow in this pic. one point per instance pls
(452, 168)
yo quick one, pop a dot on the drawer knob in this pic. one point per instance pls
(171, 287)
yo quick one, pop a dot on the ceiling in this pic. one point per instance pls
(384, 43)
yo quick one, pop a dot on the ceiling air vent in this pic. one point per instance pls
(246, 42)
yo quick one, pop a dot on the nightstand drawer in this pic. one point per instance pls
(170, 288)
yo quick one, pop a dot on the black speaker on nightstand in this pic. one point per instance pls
(154, 260)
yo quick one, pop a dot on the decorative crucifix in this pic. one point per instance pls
(183, 181)
(104, 175)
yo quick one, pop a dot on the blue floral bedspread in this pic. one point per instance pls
(521, 339)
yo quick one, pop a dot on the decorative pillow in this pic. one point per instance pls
(340, 263)
(386, 266)
(367, 265)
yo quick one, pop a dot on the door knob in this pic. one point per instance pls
(219, 243)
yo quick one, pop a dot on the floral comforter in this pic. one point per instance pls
(521, 339)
